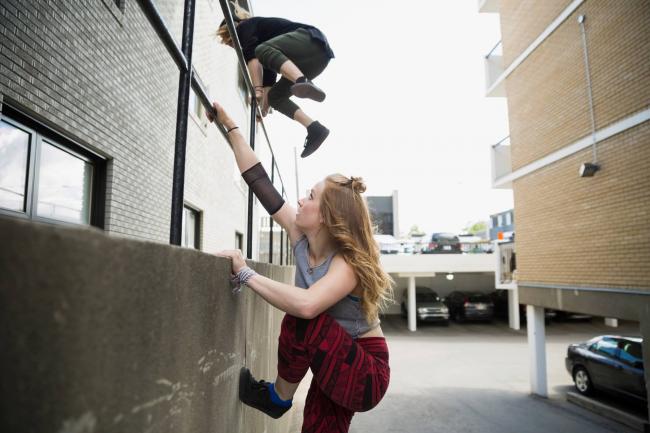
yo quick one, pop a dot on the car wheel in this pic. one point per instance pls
(582, 381)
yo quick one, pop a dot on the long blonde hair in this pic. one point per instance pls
(345, 214)
(238, 14)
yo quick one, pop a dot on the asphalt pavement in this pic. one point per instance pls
(474, 377)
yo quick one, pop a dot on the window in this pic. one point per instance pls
(239, 241)
(607, 347)
(630, 352)
(44, 176)
(196, 109)
(191, 228)
(508, 219)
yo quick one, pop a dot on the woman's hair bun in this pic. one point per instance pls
(357, 185)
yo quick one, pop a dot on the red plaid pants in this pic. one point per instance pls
(349, 375)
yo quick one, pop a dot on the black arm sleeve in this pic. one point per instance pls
(258, 180)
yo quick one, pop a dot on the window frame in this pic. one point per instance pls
(39, 133)
(197, 226)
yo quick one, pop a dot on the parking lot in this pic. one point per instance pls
(474, 377)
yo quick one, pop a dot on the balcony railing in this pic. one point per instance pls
(501, 164)
(183, 59)
(494, 83)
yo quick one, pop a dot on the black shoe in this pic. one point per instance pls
(256, 394)
(307, 89)
(316, 134)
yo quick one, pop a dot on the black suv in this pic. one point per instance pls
(443, 243)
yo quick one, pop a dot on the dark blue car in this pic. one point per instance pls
(610, 363)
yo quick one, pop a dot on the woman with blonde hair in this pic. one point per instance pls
(331, 323)
(298, 52)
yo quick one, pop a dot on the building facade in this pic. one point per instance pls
(504, 223)
(575, 74)
(89, 95)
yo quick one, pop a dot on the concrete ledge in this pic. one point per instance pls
(105, 334)
(617, 415)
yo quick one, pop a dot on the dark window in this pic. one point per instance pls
(239, 241)
(607, 347)
(191, 228)
(44, 176)
(630, 352)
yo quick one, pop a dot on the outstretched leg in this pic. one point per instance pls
(298, 58)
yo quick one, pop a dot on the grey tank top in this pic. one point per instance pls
(347, 312)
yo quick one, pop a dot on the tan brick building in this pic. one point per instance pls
(575, 73)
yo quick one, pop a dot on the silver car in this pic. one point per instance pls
(428, 306)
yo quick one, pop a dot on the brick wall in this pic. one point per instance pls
(522, 21)
(572, 230)
(102, 76)
(547, 93)
(588, 231)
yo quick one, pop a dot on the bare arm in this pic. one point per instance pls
(256, 71)
(246, 158)
(338, 282)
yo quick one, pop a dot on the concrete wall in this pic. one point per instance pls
(104, 334)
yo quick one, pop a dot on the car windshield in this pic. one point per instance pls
(479, 298)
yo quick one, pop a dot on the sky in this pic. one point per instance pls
(405, 105)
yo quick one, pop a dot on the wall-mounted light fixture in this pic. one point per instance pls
(588, 169)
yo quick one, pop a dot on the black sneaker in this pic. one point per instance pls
(316, 134)
(256, 394)
(307, 89)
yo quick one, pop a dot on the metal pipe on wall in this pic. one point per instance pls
(180, 146)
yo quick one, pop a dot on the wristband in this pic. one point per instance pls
(242, 278)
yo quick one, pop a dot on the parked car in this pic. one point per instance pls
(609, 363)
(443, 243)
(428, 306)
(470, 306)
